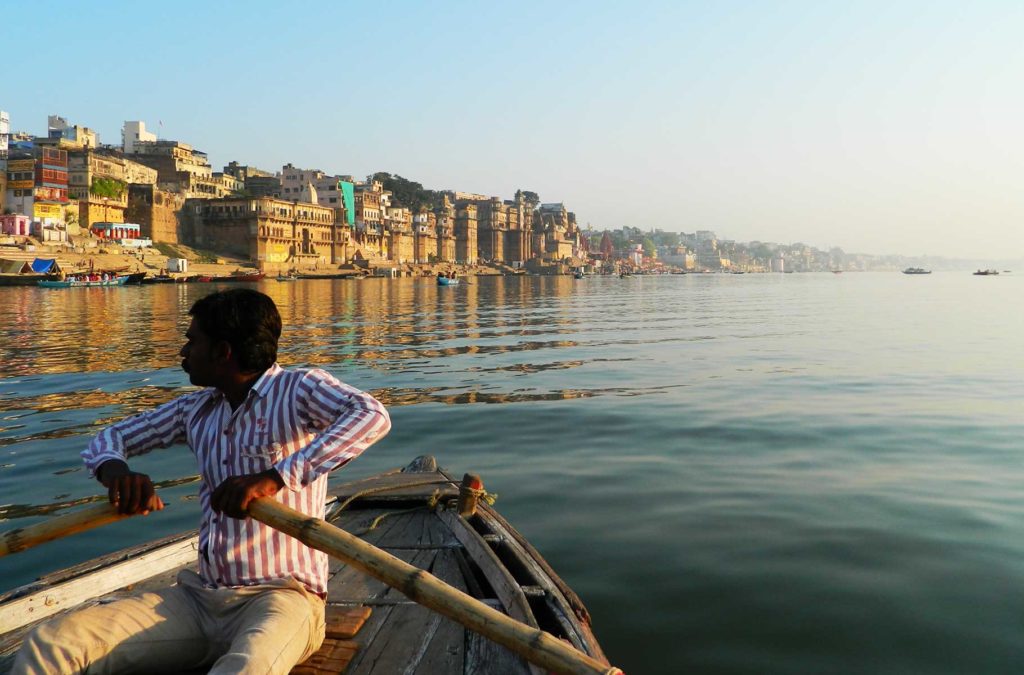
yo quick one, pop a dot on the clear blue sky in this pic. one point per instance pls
(879, 127)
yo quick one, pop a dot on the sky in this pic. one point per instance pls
(877, 127)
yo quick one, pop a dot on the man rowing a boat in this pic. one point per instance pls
(257, 430)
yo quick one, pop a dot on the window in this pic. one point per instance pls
(334, 200)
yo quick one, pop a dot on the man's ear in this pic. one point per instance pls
(222, 351)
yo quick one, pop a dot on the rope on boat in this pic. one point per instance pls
(489, 497)
(431, 504)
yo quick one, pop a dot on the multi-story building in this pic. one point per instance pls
(369, 236)
(68, 136)
(424, 232)
(138, 174)
(555, 234)
(256, 182)
(401, 237)
(243, 172)
(132, 133)
(492, 226)
(37, 184)
(335, 192)
(5, 136)
(180, 168)
(275, 233)
(97, 188)
(445, 229)
(229, 185)
(466, 233)
(518, 247)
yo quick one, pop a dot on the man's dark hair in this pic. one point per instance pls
(247, 320)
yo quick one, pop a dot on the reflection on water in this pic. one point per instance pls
(738, 473)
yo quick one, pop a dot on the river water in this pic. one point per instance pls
(796, 473)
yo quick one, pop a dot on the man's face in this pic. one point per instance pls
(198, 358)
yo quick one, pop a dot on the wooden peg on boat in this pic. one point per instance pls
(469, 494)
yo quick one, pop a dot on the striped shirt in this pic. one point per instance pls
(304, 423)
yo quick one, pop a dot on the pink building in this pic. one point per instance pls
(15, 224)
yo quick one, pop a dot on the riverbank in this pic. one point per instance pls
(154, 261)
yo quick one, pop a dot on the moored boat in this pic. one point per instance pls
(986, 273)
(239, 276)
(135, 278)
(418, 514)
(79, 283)
(286, 277)
(27, 279)
(160, 279)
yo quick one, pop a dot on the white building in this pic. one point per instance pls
(5, 136)
(132, 133)
(295, 186)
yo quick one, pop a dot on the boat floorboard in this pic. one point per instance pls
(399, 635)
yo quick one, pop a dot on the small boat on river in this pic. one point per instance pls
(986, 273)
(417, 514)
(240, 276)
(79, 283)
(447, 281)
(286, 277)
(161, 279)
(135, 278)
(916, 270)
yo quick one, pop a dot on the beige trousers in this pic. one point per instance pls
(253, 629)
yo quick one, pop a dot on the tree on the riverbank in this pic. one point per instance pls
(408, 193)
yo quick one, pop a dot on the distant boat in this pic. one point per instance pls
(578, 274)
(159, 279)
(986, 273)
(286, 277)
(840, 272)
(445, 281)
(916, 270)
(74, 283)
(135, 278)
(240, 276)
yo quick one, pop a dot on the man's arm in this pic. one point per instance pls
(105, 457)
(349, 421)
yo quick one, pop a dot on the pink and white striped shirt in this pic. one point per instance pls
(304, 423)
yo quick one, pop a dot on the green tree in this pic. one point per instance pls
(649, 248)
(407, 193)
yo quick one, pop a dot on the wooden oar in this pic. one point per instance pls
(533, 644)
(80, 520)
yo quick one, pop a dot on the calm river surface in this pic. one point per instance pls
(797, 473)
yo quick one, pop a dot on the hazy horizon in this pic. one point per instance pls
(880, 129)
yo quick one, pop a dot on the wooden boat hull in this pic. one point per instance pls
(444, 281)
(239, 277)
(408, 513)
(25, 279)
(118, 281)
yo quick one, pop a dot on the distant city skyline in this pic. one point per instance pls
(876, 128)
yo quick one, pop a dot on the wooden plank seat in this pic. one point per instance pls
(338, 649)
